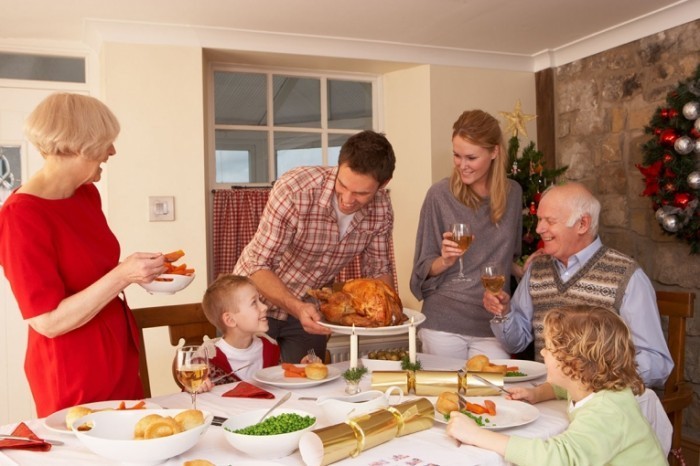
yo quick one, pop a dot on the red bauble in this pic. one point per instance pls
(657, 131)
(672, 113)
(681, 200)
(536, 197)
(667, 137)
(664, 113)
(695, 133)
(533, 209)
(668, 158)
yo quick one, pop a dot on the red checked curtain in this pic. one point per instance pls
(236, 215)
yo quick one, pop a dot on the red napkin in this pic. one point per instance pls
(247, 390)
(23, 431)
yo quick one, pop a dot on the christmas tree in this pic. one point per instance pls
(671, 166)
(529, 171)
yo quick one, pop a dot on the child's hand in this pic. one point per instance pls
(462, 427)
(522, 394)
(206, 386)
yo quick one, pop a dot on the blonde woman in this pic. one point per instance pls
(590, 358)
(480, 194)
(62, 262)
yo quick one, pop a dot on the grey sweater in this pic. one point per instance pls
(459, 309)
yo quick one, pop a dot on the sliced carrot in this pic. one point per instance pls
(476, 408)
(140, 405)
(173, 256)
(294, 374)
(122, 405)
(512, 369)
(490, 407)
(292, 368)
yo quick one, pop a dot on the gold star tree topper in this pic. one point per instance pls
(517, 119)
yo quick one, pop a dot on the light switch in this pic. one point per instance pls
(161, 208)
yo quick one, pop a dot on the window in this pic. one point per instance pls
(268, 122)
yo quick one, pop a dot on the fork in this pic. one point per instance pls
(233, 372)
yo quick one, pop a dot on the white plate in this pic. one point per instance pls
(275, 376)
(418, 318)
(57, 420)
(533, 369)
(509, 413)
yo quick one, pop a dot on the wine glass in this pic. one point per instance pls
(192, 368)
(462, 235)
(493, 278)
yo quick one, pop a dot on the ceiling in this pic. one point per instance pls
(428, 28)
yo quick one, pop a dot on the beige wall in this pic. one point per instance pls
(156, 92)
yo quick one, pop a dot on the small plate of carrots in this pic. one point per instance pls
(284, 376)
(175, 277)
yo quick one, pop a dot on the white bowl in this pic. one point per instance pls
(380, 364)
(168, 283)
(112, 436)
(264, 446)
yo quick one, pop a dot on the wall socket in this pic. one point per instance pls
(161, 208)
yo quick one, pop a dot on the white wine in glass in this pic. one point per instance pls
(192, 368)
(462, 235)
(493, 278)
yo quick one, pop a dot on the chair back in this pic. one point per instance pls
(186, 321)
(678, 307)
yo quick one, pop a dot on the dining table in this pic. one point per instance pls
(423, 448)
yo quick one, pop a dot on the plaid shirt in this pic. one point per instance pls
(298, 236)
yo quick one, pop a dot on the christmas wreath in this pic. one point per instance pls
(671, 166)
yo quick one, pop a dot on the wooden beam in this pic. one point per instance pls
(544, 96)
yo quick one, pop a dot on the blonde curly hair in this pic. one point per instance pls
(594, 347)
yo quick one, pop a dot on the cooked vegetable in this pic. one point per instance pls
(275, 425)
(515, 374)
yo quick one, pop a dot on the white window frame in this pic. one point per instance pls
(323, 76)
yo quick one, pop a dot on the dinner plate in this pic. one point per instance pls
(418, 318)
(532, 369)
(275, 376)
(57, 420)
(509, 413)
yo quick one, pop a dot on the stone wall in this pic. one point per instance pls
(602, 104)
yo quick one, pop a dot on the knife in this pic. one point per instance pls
(27, 439)
(233, 372)
(490, 384)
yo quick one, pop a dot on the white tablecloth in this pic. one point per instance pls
(430, 447)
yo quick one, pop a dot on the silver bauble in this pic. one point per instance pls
(671, 223)
(660, 214)
(697, 124)
(691, 110)
(696, 147)
(694, 180)
(684, 145)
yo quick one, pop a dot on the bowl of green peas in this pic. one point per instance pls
(276, 437)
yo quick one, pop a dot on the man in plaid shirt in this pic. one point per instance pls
(316, 221)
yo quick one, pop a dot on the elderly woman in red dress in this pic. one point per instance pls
(62, 262)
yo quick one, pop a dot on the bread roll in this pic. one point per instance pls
(140, 427)
(163, 427)
(189, 419)
(75, 413)
(497, 368)
(316, 371)
(447, 402)
(477, 363)
(198, 463)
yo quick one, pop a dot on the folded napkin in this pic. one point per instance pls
(247, 390)
(23, 431)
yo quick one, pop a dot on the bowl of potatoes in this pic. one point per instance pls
(384, 360)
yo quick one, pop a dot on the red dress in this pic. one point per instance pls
(52, 249)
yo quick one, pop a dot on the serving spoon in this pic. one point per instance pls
(276, 405)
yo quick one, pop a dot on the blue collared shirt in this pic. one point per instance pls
(638, 310)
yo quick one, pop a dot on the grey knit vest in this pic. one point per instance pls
(600, 282)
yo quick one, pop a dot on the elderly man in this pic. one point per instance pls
(316, 221)
(576, 268)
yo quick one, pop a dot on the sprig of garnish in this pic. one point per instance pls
(354, 374)
(407, 365)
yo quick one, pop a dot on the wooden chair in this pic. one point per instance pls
(678, 394)
(183, 320)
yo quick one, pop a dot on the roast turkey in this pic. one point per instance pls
(363, 302)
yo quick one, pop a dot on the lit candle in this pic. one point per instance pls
(412, 342)
(353, 348)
